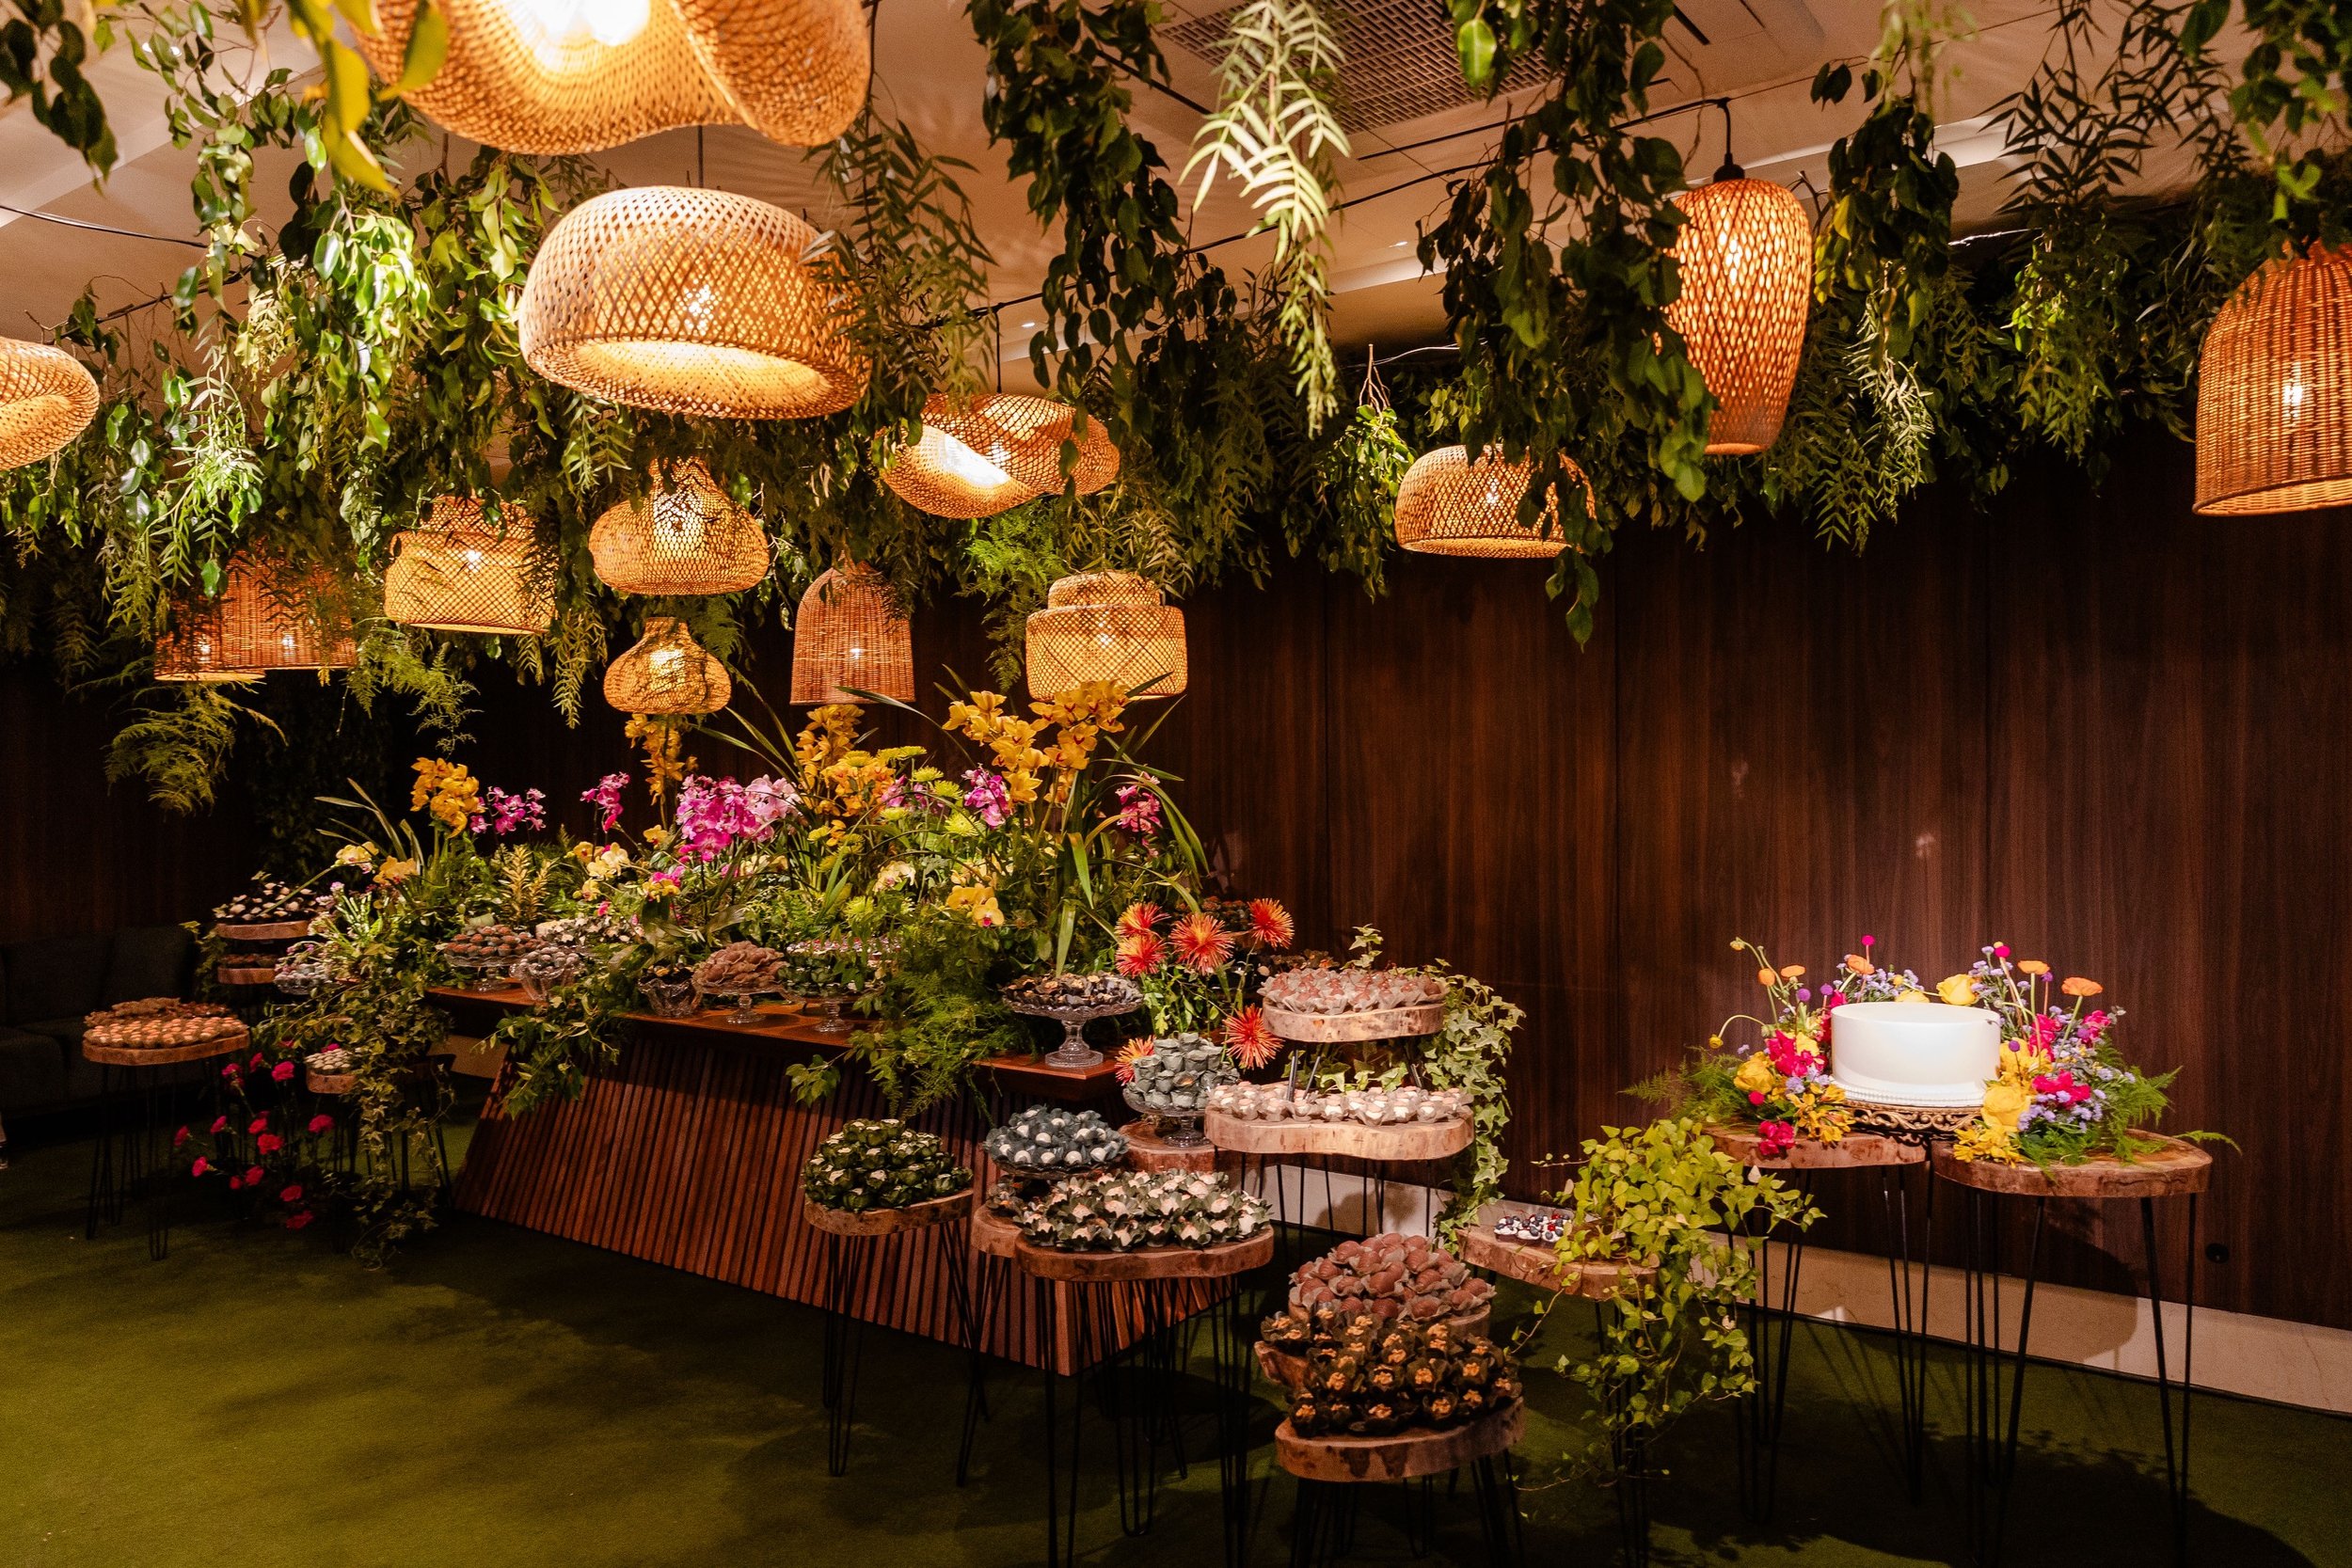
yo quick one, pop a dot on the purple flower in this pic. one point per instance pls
(510, 814)
(987, 797)
(606, 795)
(1138, 812)
(715, 815)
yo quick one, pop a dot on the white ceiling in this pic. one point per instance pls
(930, 70)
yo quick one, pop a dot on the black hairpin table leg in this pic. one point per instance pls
(1907, 1298)
(1770, 1330)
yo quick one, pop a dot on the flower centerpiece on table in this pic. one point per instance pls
(1780, 1084)
(2064, 1093)
(1192, 964)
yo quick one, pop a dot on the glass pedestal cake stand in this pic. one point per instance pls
(1176, 1129)
(1073, 1055)
(835, 1005)
(481, 973)
(746, 1006)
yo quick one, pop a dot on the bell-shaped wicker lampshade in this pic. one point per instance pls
(692, 302)
(554, 76)
(1449, 505)
(994, 453)
(688, 537)
(192, 649)
(847, 637)
(793, 69)
(667, 672)
(46, 398)
(271, 618)
(2274, 391)
(1745, 255)
(458, 572)
(1106, 626)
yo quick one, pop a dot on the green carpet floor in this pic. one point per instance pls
(503, 1398)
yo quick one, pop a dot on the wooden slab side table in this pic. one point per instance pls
(1762, 1408)
(1147, 1281)
(850, 1240)
(2171, 1168)
(144, 1161)
(1327, 1467)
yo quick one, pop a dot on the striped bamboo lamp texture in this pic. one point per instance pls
(994, 452)
(847, 636)
(688, 536)
(1107, 626)
(795, 71)
(192, 649)
(462, 572)
(692, 302)
(553, 77)
(667, 673)
(1449, 505)
(1746, 257)
(2274, 391)
(46, 400)
(273, 617)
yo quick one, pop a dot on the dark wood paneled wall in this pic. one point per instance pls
(2085, 722)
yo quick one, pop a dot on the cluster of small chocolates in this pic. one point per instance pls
(1374, 1377)
(1176, 1076)
(1130, 1210)
(268, 902)
(487, 946)
(880, 1164)
(157, 1022)
(1390, 1275)
(1075, 994)
(1535, 1226)
(1048, 1139)
(1374, 1107)
(1325, 991)
(741, 969)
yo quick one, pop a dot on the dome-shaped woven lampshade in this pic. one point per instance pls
(553, 77)
(2274, 391)
(846, 638)
(688, 537)
(1106, 626)
(667, 672)
(692, 301)
(1745, 255)
(46, 398)
(794, 69)
(994, 453)
(271, 619)
(193, 650)
(458, 572)
(1449, 505)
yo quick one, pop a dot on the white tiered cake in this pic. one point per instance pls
(1924, 1053)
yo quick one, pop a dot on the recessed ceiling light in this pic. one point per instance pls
(1026, 325)
(1400, 244)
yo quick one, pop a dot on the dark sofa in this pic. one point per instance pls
(47, 986)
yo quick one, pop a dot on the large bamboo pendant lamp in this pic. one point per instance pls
(847, 637)
(553, 77)
(667, 673)
(1746, 257)
(193, 651)
(459, 574)
(1106, 626)
(46, 400)
(270, 618)
(795, 71)
(2273, 390)
(1449, 505)
(995, 452)
(689, 536)
(692, 302)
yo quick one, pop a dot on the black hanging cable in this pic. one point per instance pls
(1731, 169)
(102, 228)
(997, 313)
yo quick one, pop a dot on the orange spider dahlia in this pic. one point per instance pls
(1138, 919)
(1201, 942)
(1270, 923)
(1129, 1055)
(1141, 954)
(1252, 1043)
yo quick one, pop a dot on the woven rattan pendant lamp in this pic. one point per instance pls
(693, 302)
(847, 637)
(2273, 390)
(458, 572)
(1449, 505)
(192, 651)
(46, 398)
(995, 452)
(667, 673)
(1106, 626)
(686, 537)
(554, 76)
(1745, 256)
(794, 71)
(270, 618)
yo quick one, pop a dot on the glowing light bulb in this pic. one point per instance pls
(678, 524)
(969, 466)
(473, 561)
(2294, 393)
(553, 28)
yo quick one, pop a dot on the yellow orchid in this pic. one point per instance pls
(395, 871)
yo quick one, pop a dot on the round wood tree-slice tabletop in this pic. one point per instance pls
(167, 1055)
(1103, 1268)
(262, 930)
(2173, 1168)
(993, 1235)
(1534, 1263)
(1386, 1023)
(1854, 1151)
(888, 1222)
(1148, 1152)
(1402, 1457)
(1393, 1141)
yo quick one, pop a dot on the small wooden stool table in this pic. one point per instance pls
(2173, 1167)
(849, 1242)
(146, 1158)
(1323, 1466)
(1149, 1281)
(1761, 1409)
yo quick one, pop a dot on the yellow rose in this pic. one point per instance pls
(1914, 996)
(1958, 989)
(2005, 1102)
(1755, 1073)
